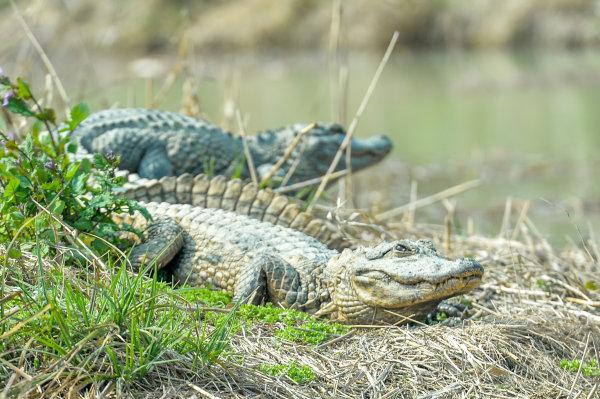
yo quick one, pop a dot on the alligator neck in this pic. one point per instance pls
(264, 148)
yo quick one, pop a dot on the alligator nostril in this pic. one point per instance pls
(471, 265)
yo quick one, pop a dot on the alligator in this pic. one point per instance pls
(235, 195)
(255, 261)
(157, 143)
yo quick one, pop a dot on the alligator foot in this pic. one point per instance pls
(448, 313)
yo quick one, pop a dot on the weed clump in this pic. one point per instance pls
(589, 369)
(300, 374)
(205, 295)
(49, 198)
(295, 326)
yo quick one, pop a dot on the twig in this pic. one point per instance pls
(432, 199)
(288, 152)
(294, 165)
(518, 291)
(42, 54)
(357, 116)
(249, 159)
(520, 220)
(337, 339)
(566, 286)
(595, 304)
(410, 220)
(506, 216)
(202, 391)
(585, 350)
(309, 182)
(334, 60)
(72, 236)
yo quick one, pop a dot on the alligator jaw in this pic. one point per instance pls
(406, 284)
(380, 290)
(366, 152)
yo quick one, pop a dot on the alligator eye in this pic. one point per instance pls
(401, 248)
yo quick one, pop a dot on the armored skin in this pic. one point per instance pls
(235, 195)
(256, 261)
(156, 143)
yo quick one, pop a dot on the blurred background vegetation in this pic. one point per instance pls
(504, 91)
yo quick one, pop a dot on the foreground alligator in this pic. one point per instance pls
(256, 261)
(236, 196)
(159, 143)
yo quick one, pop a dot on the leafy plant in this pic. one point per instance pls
(589, 369)
(116, 326)
(45, 188)
(297, 326)
(300, 374)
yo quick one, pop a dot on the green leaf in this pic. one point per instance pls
(83, 224)
(14, 253)
(71, 171)
(58, 207)
(78, 113)
(23, 89)
(12, 145)
(72, 147)
(85, 165)
(24, 182)
(11, 187)
(47, 115)
(18, 106)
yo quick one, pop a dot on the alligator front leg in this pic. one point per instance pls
(163, 240)
(155, 164)
(270, 278)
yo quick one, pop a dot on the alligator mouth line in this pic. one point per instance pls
(422, 291)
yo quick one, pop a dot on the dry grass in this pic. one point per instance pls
(532, 310)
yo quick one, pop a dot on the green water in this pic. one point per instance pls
(526, 124)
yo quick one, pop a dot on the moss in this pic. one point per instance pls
(591, 285)
(205, 295)
(542, 284)
(296, 326)
(300, 374)
(589, 369)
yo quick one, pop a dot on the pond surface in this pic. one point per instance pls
(526, 124)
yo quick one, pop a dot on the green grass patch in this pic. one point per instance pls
(109, 326)
(205, 295)
(589, 369)
(542, 285)
(300, 374)
(296, 326)
(290, 325)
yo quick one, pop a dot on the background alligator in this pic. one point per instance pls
(392, 282)
(159, 143)
(239, 197)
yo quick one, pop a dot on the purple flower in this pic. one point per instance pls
(7, 96)
(11, 135)
(50, 165)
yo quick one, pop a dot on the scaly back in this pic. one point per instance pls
(237, 196)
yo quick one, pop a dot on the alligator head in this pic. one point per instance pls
(395, 282)
(313, 154)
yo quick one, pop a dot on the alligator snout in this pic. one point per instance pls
(471, 268)
(378, 145)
